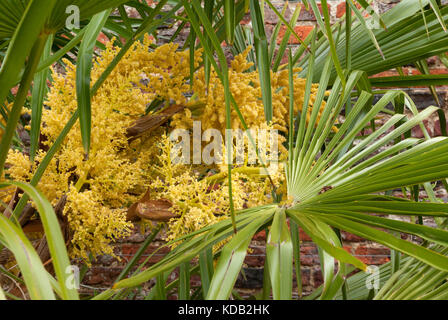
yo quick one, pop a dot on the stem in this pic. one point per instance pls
(229, 143)
(82, 180)
(295, 235)
(266, 293)
(348, 47)
(16, 110)
(344, 284)
(139, 253)
(244, 170)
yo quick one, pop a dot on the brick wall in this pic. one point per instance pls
(105, 269)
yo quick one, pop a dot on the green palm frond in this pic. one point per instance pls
(40, 284)
(416, 281)
(337, 175)
(405, 41)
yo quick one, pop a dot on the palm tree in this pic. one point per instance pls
(336, 181)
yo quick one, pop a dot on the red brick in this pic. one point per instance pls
(306, 277)
(195, 280)
(260, 236)
(254, 261)
(389, 73)
(101, 276)
(157, 247)
(348, 249)
(351, 237)
(308, 15)
(308, 261)
(340, 10)
(302, 32)
(93, 279)
(308, 250)
(256, 250)
(303, 236)
(437, 128)
(374, 260)
(103, 38)
(417, 131)
(439, 71)
(416, 72)
(132, 249)
(129, 249)
(317, 278)
(154, 259)
(365, 250)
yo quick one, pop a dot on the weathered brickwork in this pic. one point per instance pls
(103, 271)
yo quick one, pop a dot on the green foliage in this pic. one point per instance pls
(336, 178)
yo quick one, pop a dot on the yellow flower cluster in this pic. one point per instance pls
(201, 202)
(246, 90)
(117, 172)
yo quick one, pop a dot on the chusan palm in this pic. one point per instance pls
(335, 180)
(354, 174)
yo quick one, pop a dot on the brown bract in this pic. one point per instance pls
(154, 210)
(151, 122)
